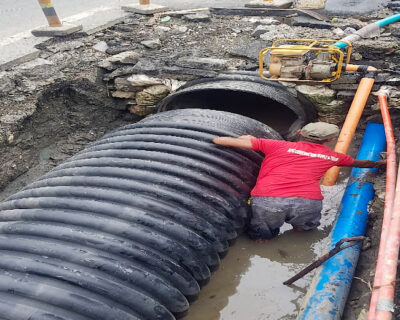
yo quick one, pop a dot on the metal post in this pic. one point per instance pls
(50, 13)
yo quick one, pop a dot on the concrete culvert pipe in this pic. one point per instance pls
(132, 226)
(248, 95)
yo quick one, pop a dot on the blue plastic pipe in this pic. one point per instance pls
(381, 23)
(327, 295)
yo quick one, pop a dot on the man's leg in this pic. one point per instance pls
(305, 214)
(268, 216)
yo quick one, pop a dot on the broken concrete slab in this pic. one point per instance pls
(308, 22)
(260, 30)
(65, 30)
(277, 4)
(198, 17)
(250, 52)
(264, 21)
(146, 9)
(202, 63)
(127, 57)
(152, 44)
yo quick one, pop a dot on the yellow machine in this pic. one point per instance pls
(303, 60)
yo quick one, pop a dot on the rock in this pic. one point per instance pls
(38, 68)
(198, 17)
(302, 21)
(127, 57)
(101, 46)
(317, 94)
(182, 29)
(338, 32)
(146, 65)
(141, 111)
(349, 31)
(246, 51)
(278, 4)
(261, 29)
(66, 46)
(202, 63)
(107, 65)
(6, 84)
(123, 28)
(264, 21)
(123, 71)
(152, 95)
(162, 28)
(118, 49)
(123, 94)
(333, 107)
(142, 80)
(152, 44)
(122, 84)
(173, 85)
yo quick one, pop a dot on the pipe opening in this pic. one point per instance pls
(267, 102)
(249, 104)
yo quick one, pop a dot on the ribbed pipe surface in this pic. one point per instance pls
(132, 226)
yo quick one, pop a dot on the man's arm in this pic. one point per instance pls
(241, 142)
(368, 164)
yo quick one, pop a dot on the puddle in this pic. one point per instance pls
(248, 284)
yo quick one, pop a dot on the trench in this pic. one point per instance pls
(106, 235)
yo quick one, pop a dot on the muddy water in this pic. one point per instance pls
(248, 284)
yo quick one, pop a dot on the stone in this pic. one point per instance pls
(123, 94)
(146, 65)
(303, 21)
(162, 28)
(120, 48)
(152, 44)
(66, 46)
(261, 29)
(181, 29)
(64, 30)
(123, 71)
(349, 31)
(198, 17)
(127, 57)
(264, 21)
(202, 63)
(38, 68)
(339, 32)
(142, 80)
(277, 4)
(141, 111)
(152, 95)
(144, 9)
(6, 84)
(246, 51)
(317, 94)
(333, 107)
(101, 46)
(107, 65)
(122, 84)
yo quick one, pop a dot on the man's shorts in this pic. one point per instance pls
(269, 214)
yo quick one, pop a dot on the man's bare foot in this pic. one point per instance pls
(260, 241)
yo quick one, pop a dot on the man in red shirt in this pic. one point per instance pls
(287, 188)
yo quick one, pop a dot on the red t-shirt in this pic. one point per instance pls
(293, 169)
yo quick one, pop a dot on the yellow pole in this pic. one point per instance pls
(50, 13)
(350, 125)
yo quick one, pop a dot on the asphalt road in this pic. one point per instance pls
(19, 16)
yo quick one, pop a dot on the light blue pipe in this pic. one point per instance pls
(328, 292)
(381, 23)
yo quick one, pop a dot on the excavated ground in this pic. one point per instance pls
(51, 110)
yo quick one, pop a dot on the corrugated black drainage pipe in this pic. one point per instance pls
(132, 226)
(246, 94)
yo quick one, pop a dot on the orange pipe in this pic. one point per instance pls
(350, 125)
(144, 2)
(354, 67)
(389, 197)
